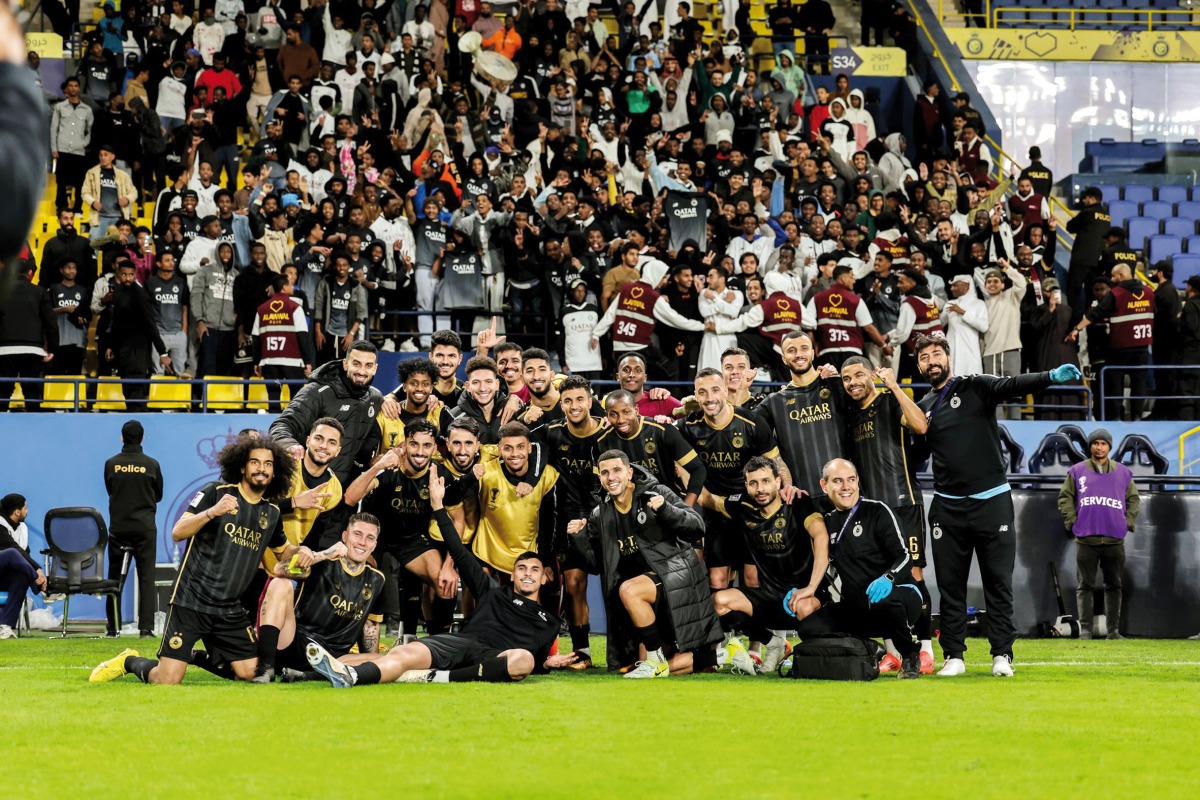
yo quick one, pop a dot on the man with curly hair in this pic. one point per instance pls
(228, 526)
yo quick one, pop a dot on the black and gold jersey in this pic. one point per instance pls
(726, 450)
(335, 601)
(878, 446)
(657, 448)
(222, 558)
(575, 459)
(809, 424)
(449, 399)
(779, 544)
(401, 501)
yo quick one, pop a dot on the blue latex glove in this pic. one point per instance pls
(787, 602)
(1065, 374)
(880, 588)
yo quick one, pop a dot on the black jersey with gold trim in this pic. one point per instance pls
(726, 450)
(222, 558)
(658, 448)
(335, 601)
(779, 545)
(575, 459)
(878, 446)
(401, 501)
(810, 426)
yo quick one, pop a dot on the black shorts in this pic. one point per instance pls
(912, 528)
(768, 610)
(231, 636)
(410, 548)
(454, 650)
(724, 544)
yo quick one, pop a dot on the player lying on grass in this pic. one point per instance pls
(641, 540)
(508, 637)
(228, 526)
(339, 603)
(788, 545)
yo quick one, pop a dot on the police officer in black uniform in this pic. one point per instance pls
(134, 483)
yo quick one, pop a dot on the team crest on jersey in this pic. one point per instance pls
(780, 523)
(955, 402)
(641, 518)
(424, 493)
(738, 441)
(650, 448)
(263, 519)
(176, 642)
(937, 531)
(824, 393)
(367, 593)
(857, 530)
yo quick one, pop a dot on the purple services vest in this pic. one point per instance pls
(1100, 500)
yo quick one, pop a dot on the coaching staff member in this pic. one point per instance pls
(134, 483)
(342, 390)
(972, 510)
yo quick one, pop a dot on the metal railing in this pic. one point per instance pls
(1152, 368)
(1015, 17)
(82, 400)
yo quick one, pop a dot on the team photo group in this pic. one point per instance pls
(358, 515)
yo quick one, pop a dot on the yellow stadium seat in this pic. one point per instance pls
(224, 396)
(169, 394)
(109, 395)
(257, 399)
(60, 393)
(17, 401)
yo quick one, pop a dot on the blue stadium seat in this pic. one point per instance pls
(1179, 226)
(1140, 229)
(1122, 211)
(1158, 209)
(1111, 191)
(1172, 194)
(1192, 245)
(1189, 209)
(1162, 247)
(1138, 193)
(1185, 267)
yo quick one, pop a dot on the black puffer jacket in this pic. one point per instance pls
(667, 540)
(329, 393)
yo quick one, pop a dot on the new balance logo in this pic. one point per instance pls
(345, 408)
(1004, 529)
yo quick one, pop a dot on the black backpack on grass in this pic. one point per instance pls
(836, 657)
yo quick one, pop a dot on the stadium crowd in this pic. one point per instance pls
(354, 151)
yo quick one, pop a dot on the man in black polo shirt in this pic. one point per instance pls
(134, 483)
(972, 510)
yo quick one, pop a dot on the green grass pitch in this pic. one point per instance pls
(1080, 719)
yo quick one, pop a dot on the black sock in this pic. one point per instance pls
(579, 637)
(649, 637)
(757, 632)
(140, 667)
(410, 612)
(368, 674)
(268, 643)
(202, 659)
(704, 658)
(924, 623)
(494, 670)
(734, 621)
(441, 615)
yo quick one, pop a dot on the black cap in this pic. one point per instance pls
(107, 147)
(1115, 231)
(1100, 435)
(190, 193)
(1194, 283)
(132, 431)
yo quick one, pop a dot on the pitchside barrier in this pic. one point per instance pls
(57, 459)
